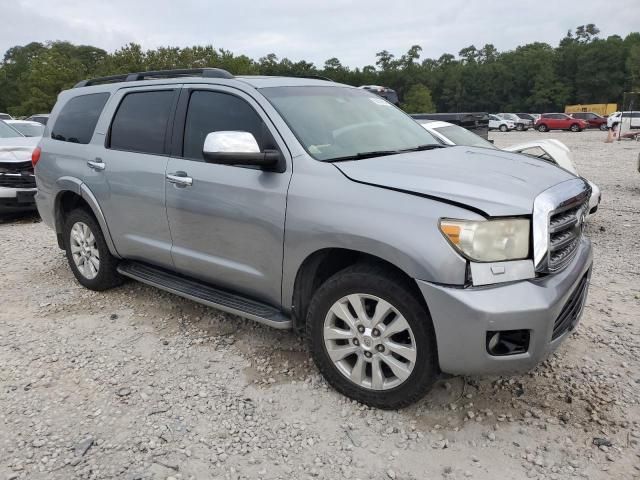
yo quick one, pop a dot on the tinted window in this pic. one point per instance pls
(213, 112)
(78, 118)
(579, 115)
(140, 123)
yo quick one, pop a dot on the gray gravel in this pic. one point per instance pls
(135, 383)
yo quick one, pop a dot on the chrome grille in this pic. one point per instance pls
(565, 232)
(17, 175)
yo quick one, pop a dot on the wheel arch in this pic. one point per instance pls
(80, 197)
(320, 265)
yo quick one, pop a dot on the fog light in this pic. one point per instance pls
(508, 342)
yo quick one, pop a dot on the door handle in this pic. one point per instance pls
(97, 164)
(179, 179)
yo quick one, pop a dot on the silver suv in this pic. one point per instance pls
(309, 205)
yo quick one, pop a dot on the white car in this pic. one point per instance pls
(26, 128)
(550, 150)
(521, 123)
(17, 182)
(497, 123)
(629, 120)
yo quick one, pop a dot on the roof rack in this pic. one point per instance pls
(133, 77)
(315, 77)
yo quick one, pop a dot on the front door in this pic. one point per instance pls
(227, 226)
(128, 176)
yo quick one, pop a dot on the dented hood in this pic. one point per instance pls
(491, 182)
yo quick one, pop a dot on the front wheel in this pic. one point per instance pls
(503, 128)
(87, 253)
(371, 338)
(519, 127)
(603, 127)
(575, 127)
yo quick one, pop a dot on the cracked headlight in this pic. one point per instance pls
(489, 240)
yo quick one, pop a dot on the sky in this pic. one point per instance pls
(352, 31)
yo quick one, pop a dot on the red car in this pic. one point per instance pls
(559, 121)
(593, 119)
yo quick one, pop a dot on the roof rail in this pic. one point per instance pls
(315, 77)
(132, 77)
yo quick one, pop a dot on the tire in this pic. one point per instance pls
(575, 128)
(519, 127)
(503, 128)
(78, 242)
(543, 128)
(603, 127)
(371, 285)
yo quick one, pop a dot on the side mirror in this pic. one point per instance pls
(236, 148)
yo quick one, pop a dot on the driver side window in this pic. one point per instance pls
(215, 111)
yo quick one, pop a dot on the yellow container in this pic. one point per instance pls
(599, 108)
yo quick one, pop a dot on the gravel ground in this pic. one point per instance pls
(135, 383)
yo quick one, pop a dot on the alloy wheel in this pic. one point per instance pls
(84, 250)
(370, 342)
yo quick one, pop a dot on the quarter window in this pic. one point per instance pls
(215, 111)
(78, 118)
(140, 123)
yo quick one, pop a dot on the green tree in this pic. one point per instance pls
(418, 100)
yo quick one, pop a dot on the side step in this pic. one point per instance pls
(205, 294)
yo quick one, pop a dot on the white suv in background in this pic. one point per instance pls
(521, 123)
(497, 123)
(629, 120)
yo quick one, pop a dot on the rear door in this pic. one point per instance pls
(228, 225)
(128, 175)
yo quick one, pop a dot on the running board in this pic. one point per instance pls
(205, 294)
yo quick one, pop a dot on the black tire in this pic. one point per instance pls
(107, 275)
(519, 127)
(543, 128)
(603, 127)
(395, 289)
(575, 128)
(503, 128)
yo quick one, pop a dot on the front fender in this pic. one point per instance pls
(327, 210)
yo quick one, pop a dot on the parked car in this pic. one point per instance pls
(5, 116)
(521, 123)
(28, 129)
(551, 150)
(559, 121)
(527, 116)
(400, 258)
(593, 119)
(629, 120)
(385, 92)
(40, 118)
(17, 182)
(497, 123)
(476, 122)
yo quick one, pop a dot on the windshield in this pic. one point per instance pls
(7, 132)
(337, 122)
(29, 129)
(462, 136)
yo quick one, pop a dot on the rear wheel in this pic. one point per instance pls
(543, 128)
(87, 252)
(603, 127)
(503, 128)
(575, 128)
(371, 338)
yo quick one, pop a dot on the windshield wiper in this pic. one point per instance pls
(429, 146)
(362, 155)
(382, 153)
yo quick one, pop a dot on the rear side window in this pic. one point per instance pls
(140, 123)
(78, 118)
(213, 112)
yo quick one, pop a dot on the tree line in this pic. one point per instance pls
(536, 77)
